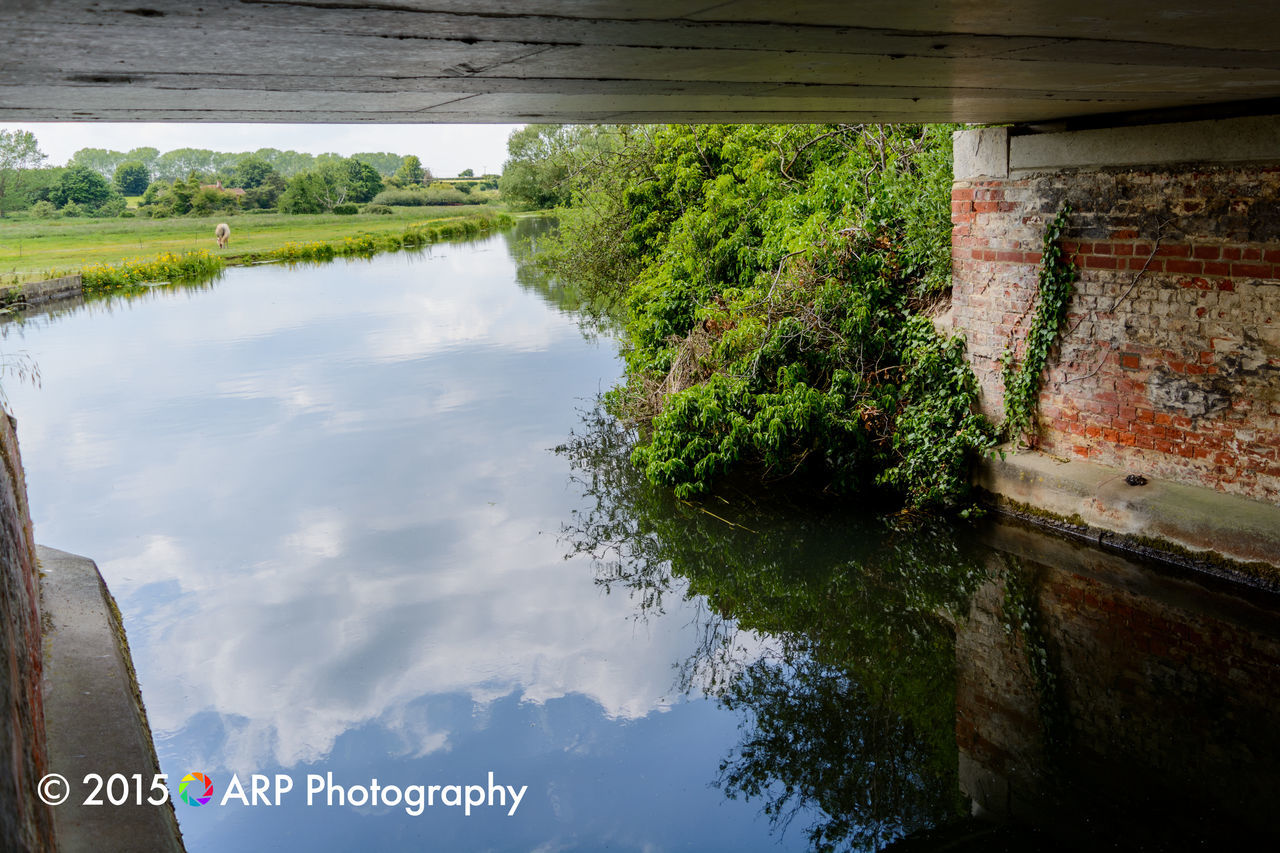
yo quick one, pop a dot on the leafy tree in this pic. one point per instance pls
(19, 154)
(535, 175)
(307, 192)
(180, 162)
(144, 155)
(101, 160)
(466, 173)
(362, 180)
(206, 200)
(287, 163)
(252, 171)
(385, 162)
(131, 178)
(267, 193)
(410, 173)
(82, 186)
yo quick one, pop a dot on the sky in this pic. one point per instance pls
(445, 149)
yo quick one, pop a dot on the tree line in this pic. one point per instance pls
(189, 181)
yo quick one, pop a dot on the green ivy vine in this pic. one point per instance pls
(1022, 380)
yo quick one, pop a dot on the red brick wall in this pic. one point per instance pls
(1169, 364)
(25, 823)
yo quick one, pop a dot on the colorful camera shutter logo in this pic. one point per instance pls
(195, 789)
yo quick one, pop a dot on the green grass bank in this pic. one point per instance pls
(35, 249)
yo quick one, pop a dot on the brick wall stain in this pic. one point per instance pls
(1169, 363)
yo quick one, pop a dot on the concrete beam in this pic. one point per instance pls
(628, 60)
(1239, 140)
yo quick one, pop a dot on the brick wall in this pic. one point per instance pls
(1169, 364)
(25, 823)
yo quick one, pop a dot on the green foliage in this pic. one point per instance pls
(264, 195)
(307, 192)
(252, 171)
(1022, 379)
(334, 183)
(382, 209)
(106, 278)
(466, 173)
(19, 155)
(85, 187)
(535, 176)
(436, 194)
(71, 210)
(409, 174)
(131, 178)
(347, 209)
(775, 282)
(113, 207)
(362, 180)
(44, 210)
(384, 162)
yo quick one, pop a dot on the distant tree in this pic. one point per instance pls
(19, 153)
(265, 194)
(466, 173)
(252, 172)
(287, 163)
(101, 160)
(82, 186)
(172, 165)
(534, 175)
(306, 192)
(363, 180)
(410, 173)
(131, 178)
(145, 156)
(385, 162)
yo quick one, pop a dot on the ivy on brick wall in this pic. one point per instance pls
(1022, 378)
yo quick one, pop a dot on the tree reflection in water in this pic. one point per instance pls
(831, 633)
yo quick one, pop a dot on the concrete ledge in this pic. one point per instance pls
(37, 292)
(94, 719)
(1197, 520)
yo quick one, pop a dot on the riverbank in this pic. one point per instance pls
(37, 249)
(201, 264)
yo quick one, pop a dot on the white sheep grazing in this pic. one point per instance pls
(223, 234)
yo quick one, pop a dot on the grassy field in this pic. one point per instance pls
(32, 249)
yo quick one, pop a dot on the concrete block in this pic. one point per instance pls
(981, 154)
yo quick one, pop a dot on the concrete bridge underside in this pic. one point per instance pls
(630, 60)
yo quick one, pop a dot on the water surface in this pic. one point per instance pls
(363, 518)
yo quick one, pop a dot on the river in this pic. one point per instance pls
(365, 519)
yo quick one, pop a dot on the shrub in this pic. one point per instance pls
(44, 210)
(72, 209)
(437, 194)
(346, 209)
(112, 207)
(378, 208)
(128, 214)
